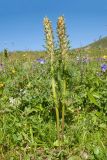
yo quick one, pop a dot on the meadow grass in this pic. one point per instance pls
(27, 113)
(42, 90)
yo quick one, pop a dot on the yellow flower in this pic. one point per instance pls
(29, 85)
(1, 85)
(104, 56)
(13, 71)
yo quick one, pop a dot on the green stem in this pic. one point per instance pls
(56, 107)
(63, 108)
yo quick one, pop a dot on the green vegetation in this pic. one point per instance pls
(53, 105)
(101, 43)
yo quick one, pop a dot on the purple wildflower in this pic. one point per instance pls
(104, 67)
(41, 61)
(100, 59)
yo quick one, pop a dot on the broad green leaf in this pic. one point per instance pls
(96, 151)
(103, 126)
(57, 143)
(92, 99)
(96, 95)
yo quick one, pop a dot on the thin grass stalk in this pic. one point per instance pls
(50, 50)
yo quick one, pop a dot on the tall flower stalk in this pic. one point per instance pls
(59, 95)
(50, 50)
(63, 43)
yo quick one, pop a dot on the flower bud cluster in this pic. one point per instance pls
(48, 35)
(61, 31)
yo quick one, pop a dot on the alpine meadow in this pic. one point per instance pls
(53, 103)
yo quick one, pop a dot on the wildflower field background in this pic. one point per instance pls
(28, 124)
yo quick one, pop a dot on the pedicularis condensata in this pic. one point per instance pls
(63, 50)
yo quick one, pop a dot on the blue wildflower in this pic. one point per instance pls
(104, 67)
(41, 61)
